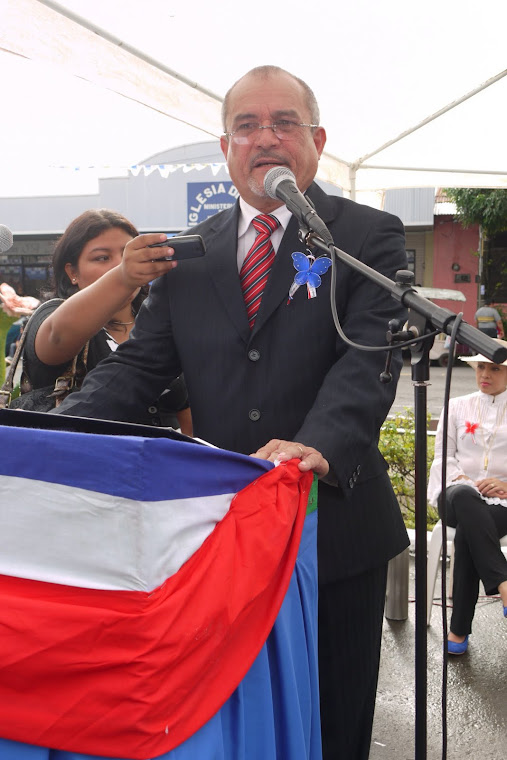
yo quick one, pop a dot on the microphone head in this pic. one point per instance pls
(6, 239)
(273, 178)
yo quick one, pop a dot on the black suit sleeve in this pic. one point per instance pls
(344, 421)
(123, 385)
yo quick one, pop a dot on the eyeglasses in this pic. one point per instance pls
(284, 129)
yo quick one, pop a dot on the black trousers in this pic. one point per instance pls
(491, 331)
(477, 552)
(350, 635)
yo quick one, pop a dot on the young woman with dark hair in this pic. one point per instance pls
(101, 270)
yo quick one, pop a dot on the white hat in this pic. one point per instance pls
(480, 358)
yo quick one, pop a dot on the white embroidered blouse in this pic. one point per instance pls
(476, 443)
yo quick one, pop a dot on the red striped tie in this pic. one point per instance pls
(255, 270)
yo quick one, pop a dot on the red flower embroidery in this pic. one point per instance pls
(470, 427)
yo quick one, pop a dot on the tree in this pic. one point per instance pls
(485, 207)
(488, 209)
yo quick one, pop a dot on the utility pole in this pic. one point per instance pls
(480, 290)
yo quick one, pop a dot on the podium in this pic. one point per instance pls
(158, 597)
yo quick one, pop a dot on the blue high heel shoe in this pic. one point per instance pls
(453, 647)
(505, 611)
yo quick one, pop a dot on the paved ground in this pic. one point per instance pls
(463, 381)
(477, 681)
(477, 688)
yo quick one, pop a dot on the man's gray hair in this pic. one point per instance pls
(267, 71)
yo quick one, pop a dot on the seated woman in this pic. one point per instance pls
(476, 493)
(101, 267)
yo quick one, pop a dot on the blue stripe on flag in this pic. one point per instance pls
(143, 469)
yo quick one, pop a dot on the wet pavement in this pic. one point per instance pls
(463, 381)
(476, 687)
(476, 682)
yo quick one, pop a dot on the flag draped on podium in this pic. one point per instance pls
(157, 600)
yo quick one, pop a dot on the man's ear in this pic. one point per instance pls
(319, 138)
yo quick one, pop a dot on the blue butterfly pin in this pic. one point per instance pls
(308, 272)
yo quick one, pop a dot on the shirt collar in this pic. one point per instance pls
(247, 213)
(499, 399)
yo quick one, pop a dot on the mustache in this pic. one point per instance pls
(263, 156)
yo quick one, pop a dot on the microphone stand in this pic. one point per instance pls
(424, 317)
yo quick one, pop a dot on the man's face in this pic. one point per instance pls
(267, 100)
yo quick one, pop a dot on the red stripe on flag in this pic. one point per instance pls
(134, 674)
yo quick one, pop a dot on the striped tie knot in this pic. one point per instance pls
(265, 224)
(255, 270)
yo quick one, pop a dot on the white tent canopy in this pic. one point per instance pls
(91, 87)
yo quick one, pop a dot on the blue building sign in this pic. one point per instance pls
(204, 199)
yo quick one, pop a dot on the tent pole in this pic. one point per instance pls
(352, 178)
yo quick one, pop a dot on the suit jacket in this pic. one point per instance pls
(291, 377)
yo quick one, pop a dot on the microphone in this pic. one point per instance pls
(280, 182)
(6, 239)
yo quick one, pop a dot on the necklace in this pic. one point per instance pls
(123, 324)
(487, 449)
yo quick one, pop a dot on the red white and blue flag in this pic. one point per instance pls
(158, 599)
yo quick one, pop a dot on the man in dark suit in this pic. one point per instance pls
(288, 386)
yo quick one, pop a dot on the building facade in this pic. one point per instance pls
(179, 188)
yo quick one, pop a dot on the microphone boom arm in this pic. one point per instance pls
(441, 319)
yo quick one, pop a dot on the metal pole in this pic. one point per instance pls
(480, 294)
(397, 587)
(352, 177)
(421, 655)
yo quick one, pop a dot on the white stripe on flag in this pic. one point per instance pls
(96, 540)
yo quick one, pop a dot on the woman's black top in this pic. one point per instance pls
(161, 413)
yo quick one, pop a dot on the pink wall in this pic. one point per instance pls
(454, 245)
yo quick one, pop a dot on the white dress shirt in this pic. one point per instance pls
(247, 232)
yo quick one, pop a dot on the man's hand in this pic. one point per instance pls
(282, 451)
